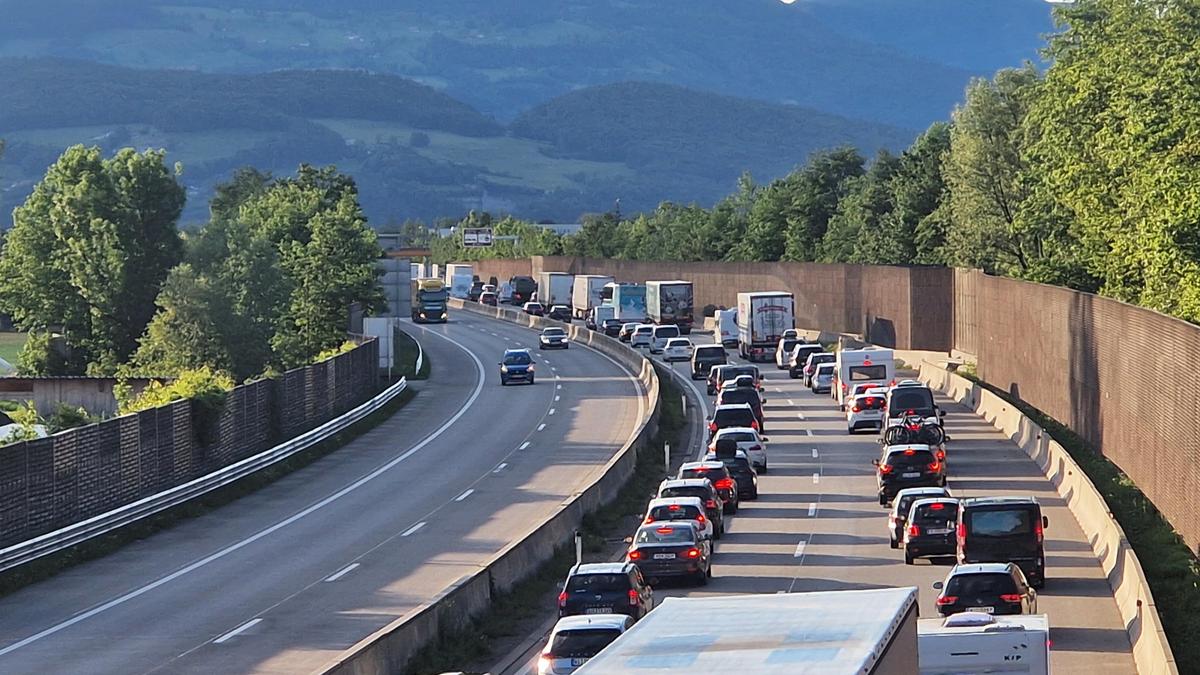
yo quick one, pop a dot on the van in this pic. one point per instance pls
(727, 330)
(1004, 529)
(704, 357)
(911, 398)
(658, 341)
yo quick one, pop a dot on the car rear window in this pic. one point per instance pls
(675, 512)
(986, 584)
(825, 369)
(918, 458)
(733, 371)
(732, 396)
(863, 373)
(940, 512)
(710, 353)
(1000, 522)
(714, 474)
(802, 352)
(737, 465)
(738, 437)
(597, 583)
(914, 398)
(686, 491)
(582, 643)
(666, 332)
(643, 330)
(734, 418)
(818, 359)
(664, 535)
(678, 342)
(789, 345)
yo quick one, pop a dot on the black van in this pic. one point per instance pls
(1004, 529)
(704, 357)
(912, 399)
(523, 289)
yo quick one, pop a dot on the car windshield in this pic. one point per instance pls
(738, 436)
(517, 359)
(597, 583)
(686, 491)
(1001, 522)
(664, 535)
(989, 584)
(675, 512)
(582, 643)
(554, 332)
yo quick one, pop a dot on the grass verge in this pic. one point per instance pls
(1172, 571)
(42, 568)
(510, 612)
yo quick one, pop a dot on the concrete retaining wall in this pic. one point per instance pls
(1151, 651)
(391, 648)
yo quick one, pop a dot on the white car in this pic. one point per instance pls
(642, 336)
(679, 508)
(678, 349)
(748, 440)
(553, 338)
(865, 411)
(575, 639)
(660, 336)
(783, 352)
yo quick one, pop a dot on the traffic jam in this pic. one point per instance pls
(994, 544)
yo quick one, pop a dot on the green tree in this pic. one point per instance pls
(853, 233)
(88, 251)
(189, 330)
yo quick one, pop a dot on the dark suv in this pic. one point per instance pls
(993, 588)
(910, 399)
(732, 415)
(717, 473)
(905, 466)
(1004, 529)
(799, 358)
(704, 357)
(932, 523)
(517, 366)
(605, 588)
(750, 397)
(719, 376)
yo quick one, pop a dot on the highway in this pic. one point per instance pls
(817, 524)
(288, 577)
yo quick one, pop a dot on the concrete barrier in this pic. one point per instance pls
(1151, 651)
(392, 647)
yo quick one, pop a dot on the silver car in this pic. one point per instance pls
(822, 381)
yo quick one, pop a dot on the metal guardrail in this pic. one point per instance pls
(77, 533)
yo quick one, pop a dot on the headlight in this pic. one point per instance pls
(504, 369)
(422, 315)
(443, 315)
(531, 368)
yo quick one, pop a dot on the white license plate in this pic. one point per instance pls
(664, 556)
(598, 610)
(941, 530)
(985, 610)
(579, 661)
(911, 474)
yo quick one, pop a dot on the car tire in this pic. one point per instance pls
(908, 559)
(754, 495)
(531, 380)
(711, 391)
(893, 543)
(764, 468)
(731, 509)
(882, 500)
(702, 580)
(793, 375)
(503, 382)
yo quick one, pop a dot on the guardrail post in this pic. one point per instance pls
(667, 458)
(578, 548)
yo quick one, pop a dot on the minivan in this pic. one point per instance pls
(1004, 529)
(658, 340)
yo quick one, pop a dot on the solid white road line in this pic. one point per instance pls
(342, 572)
(812, 509)
(541, 426)
(238, 631)
(815, 453)
(499, 468)
(524, 445)
(413, 530)
(138, 592)
(800, 549)
(816, 478)
(464, 495)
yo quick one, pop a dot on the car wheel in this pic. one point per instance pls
(702, 580)
(882, 500)
(531, 380)
(732, 508)
(908, 559)
(764, 468)
(503, 382)
(793, 375)
(893, 543)
(711, 391)
(754, 495)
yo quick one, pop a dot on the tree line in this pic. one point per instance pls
(97, 271)
(1083, 175)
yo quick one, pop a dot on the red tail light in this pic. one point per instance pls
(693, 553)
(756, 447)
(941, 455)
(673, 507)
(1037, 529)
(754, 425)
(712, 426)
(1011, 597)
(910, 452)
(562, 599)
(935, 466)
(710, 504)
(856, 409)
(962, 534)
(635, 555)
(665, 530)
(914, 531)
(700, 518)
(649, 519)
(947, 600)
(885, 469)
(633, 597)
(724, 484)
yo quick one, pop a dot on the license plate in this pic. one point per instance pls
(664, 556)
(578, 661)
(985, 610)
(598, 610)
(939, 531)
(911, 474)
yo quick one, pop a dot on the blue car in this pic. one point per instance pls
(517, 366)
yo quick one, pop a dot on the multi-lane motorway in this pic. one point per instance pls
(283, 579)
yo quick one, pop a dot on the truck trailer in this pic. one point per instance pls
(555, 288)
(762, 318)
(670, 303)
(586, 293)
(869, 632)
(628, 301)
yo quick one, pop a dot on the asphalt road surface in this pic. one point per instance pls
(286, 578)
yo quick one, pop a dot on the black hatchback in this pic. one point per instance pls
(605, 588)
(991, 588)
(750, 397)
(932, 527)
(905, 466)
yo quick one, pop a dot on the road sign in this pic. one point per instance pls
(474, 237)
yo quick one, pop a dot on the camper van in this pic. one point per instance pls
(861, 366)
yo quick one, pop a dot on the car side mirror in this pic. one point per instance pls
(938, 585)
(875, 462)
(1045, 523)
(941, 413)
(628, 540)
(764, 439)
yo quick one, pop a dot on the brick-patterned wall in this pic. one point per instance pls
(53, 482)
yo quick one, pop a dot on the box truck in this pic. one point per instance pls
(831, 633)
(669, 303)
(629, 301)
(762, 317)
(974, 642)
(585, 293)
(555, 288)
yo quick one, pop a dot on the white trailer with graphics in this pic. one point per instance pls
(762, 317)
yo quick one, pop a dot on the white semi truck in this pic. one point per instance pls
(555, 288)
(762, 317)
(870, 632)
(585, 293)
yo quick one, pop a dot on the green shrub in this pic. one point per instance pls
(346, 346)
(68, 417)
(204, 387)
(26, 417)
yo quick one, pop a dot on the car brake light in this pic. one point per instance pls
(712, 426)
(962, 534)
(1011, 597)
(937, 506)
(649, 519)
(725, 483)
(947, 600)
(910, 452)
(754, 425)
(914, 531)
(935, 466)
(941, 454)
(673, 507)
(856, 409)
(693, 553)
(710, 504)
(885, 468)
(756, 447)
(635, 555)
(1037, 529)
(633, 597)
(700, 518)
(562, 599)
(665, 530)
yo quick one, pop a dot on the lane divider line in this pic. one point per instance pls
(342, 572)
(238, 631)
(413, 530)
(556, 397)
(523, 446)
(816, 478)
(541, 426)
(499, 468)
(809, 432)
(551, 412)
(800, 415)
(791, 402)
(815, 455)
(800, 549)
(812, 510)
(464, 495)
